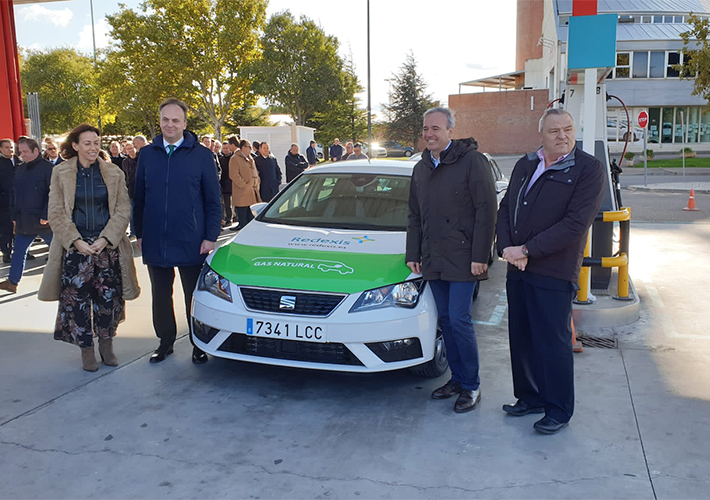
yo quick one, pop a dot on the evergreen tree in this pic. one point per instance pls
(408, 102)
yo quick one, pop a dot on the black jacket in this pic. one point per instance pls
(31, 196)
(117, 160)
(129, 167)
(270, 175)
(452, 213)
(312, 155)
(295, 164)
(7, 174)
(553, 218)
(224, 179)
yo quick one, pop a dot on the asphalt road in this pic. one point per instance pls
(238, 430)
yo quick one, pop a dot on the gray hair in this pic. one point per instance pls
(141, 138)
(450, 120)
(552, 111)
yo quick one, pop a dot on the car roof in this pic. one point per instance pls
(372, 166)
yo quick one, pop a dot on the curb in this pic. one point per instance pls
(667, 190)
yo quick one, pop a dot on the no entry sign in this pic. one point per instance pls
(643, 119)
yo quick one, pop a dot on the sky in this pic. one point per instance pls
(453, 41)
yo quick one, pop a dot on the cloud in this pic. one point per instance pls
(477, 66)
(85, 41)
(40, 13)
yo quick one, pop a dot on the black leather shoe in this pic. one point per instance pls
(522, 408)
(160, 354)
(547, 425)
(446, 391)
(30, 256)
(199, 356)
(467, 400)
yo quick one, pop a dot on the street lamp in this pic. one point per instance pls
(369, 86)
(93, 38)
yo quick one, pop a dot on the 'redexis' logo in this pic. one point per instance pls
(325, 266)
(323, 241)
(363, 239)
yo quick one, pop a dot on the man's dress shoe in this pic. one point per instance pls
(198, 356)
(547, 425)
(160, 354)
(446, 391)
(522, 408)
(467, 400)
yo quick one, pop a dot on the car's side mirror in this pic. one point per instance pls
(256, 208)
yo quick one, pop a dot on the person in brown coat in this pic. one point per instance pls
(245, 183)
(90, 269)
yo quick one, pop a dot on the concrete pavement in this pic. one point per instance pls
(672, 187)
(239, 430)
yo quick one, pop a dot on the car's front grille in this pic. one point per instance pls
(306, 303)
(294, 350)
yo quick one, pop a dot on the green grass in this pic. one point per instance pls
(676, 163)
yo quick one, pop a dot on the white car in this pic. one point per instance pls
(318, 279)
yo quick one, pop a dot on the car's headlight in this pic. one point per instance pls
(405, 294)
(212, 282)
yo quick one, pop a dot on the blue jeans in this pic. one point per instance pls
(19, 254)
(453, 303)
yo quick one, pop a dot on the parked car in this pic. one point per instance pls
(319, 150)
(611, 131)
(395, 148)
(318, 279)
(378, 151)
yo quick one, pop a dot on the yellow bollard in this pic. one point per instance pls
(583, 292)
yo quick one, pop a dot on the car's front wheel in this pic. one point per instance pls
(438, 364)
(407, 153)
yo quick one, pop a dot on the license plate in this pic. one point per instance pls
(286, 330)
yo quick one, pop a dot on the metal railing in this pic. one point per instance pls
(623, 217)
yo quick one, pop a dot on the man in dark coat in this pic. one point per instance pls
(115, 154)
(295, 163)
(28, 208)
(129, 167)
(336, 150)
(269, 173)
(225, 181)
(178, 216)
(452, 212)
(7, 174)
(552, 199)
(312, 154)
(52, 153)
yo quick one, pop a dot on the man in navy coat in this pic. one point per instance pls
(178, 215)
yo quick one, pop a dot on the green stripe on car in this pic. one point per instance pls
(312, 270)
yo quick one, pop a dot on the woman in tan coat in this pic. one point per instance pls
(90, 270)
(245, 183)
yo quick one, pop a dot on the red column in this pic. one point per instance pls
(584, 8)
(12, 118)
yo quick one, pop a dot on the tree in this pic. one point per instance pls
(696, 56)
(342, 116)
(409, 101)
(66, 83)
(300, 69)
(198, 50)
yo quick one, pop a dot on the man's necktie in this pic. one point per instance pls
(171, 147)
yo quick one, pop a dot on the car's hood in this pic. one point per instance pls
(328, 260)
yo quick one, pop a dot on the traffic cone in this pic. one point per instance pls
(691, 203)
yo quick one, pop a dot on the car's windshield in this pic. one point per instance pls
(343, 201)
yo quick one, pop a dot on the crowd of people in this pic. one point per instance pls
(175, 194)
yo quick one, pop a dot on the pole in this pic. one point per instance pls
(590, 110)
(685, 139)
(93, 38)
(369, 86)
(645, 158)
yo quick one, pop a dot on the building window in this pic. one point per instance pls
(693, 120)
(687, 71)
(646, 19)
(681, 118)
(678, 19)
(640, 65)
(658, 65)
(622, 64)
(657, 19)
(673, 60)
(705, 128)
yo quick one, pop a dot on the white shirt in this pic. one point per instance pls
(177, 144)
(436, 161)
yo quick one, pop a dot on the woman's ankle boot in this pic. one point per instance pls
(88, 359)
(106, 352)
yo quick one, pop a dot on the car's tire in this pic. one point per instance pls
(407, 153)
(625, 136)
(320, 156)
(438, 364)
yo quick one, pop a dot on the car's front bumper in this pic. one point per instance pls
(222, 331)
